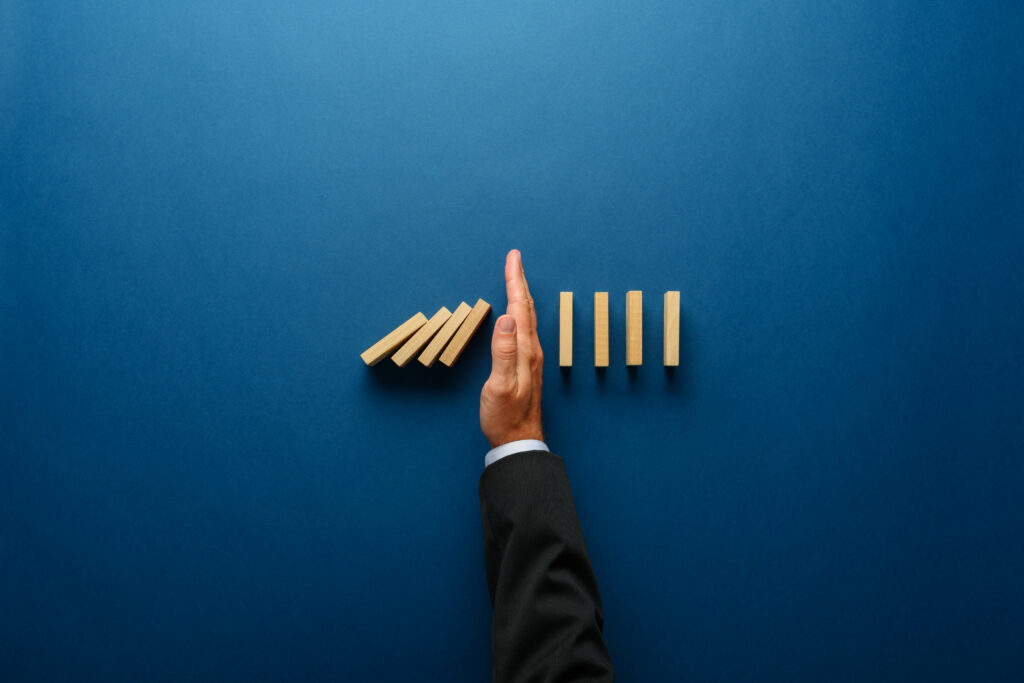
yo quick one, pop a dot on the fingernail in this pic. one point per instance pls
(507, 324)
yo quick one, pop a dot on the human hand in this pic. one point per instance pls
(510, 399)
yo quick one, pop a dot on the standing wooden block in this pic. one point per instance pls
(420, 339)
(446, 332)
(466, 330)
(393, 340)
(634, 327)
(565, 329)
(672, 329)
(600, 329)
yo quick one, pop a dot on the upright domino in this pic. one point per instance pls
(600, 329)
(447, 331)
(634, 327)
(565, 329)
(465, 332)
(420, 339)
(393, 340)
(671, 329)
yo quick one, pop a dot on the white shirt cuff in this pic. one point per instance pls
(499, 452)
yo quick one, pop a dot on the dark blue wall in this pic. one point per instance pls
(209, 209)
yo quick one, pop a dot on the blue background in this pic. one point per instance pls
(209, 209)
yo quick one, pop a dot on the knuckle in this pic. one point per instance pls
(504, 353)
(497, 386)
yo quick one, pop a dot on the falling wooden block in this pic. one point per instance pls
(393, 340)
(466, 330)
(420, 339)
(600, 329)
(671, 328)
(565, 329)
(634, 327)
(447, 331)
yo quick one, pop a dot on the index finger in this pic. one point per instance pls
(520, 303)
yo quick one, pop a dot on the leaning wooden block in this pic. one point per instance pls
(600, 329)
(420, 339)
(466, 330)
(565, 329)
(634, 328)
(671, 328)
(393, 340)
(436, 345)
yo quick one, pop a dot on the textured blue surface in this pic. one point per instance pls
(209, 209)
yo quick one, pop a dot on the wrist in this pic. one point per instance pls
(533, 434)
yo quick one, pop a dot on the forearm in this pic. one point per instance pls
(547, 607)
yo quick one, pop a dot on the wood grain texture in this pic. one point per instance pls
(671, 320)
(421, 337)
(393, 340)
(447, 331)
(634, 327)
(565, 329)
(600, 329)
(458, 343)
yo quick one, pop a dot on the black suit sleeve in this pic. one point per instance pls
(547, 609)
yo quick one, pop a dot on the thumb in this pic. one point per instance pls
(503, 352)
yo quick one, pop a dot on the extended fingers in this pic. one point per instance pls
(515, 278)
(520, 303)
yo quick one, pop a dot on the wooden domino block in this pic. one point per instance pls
(393, 340)
(565, 329)
(672, 329)
(634, 327)
(451, 326)
(458, 343)
(420, 339)
(600, 329)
